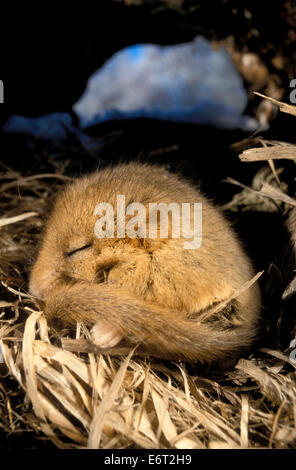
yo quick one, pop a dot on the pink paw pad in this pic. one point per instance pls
(105, 335)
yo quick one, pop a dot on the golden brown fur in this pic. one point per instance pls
(150, 291)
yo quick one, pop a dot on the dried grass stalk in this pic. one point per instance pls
(269, 153)
(284, 107)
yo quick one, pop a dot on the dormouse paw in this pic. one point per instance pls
(105, 335)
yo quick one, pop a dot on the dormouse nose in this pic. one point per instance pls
(37, 291)
(40, 286)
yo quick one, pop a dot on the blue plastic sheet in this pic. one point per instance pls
(54, 126)
(189, 82)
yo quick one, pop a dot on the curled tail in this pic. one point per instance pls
(167, 334)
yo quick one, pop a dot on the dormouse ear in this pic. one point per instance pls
(104, 266)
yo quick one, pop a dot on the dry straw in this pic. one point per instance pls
(50, 389)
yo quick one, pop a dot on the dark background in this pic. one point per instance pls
(48, 53)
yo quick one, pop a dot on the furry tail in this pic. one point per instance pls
(167, 334)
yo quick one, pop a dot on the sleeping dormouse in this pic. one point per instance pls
(139, 253)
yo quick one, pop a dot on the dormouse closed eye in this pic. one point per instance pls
(70, 253)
